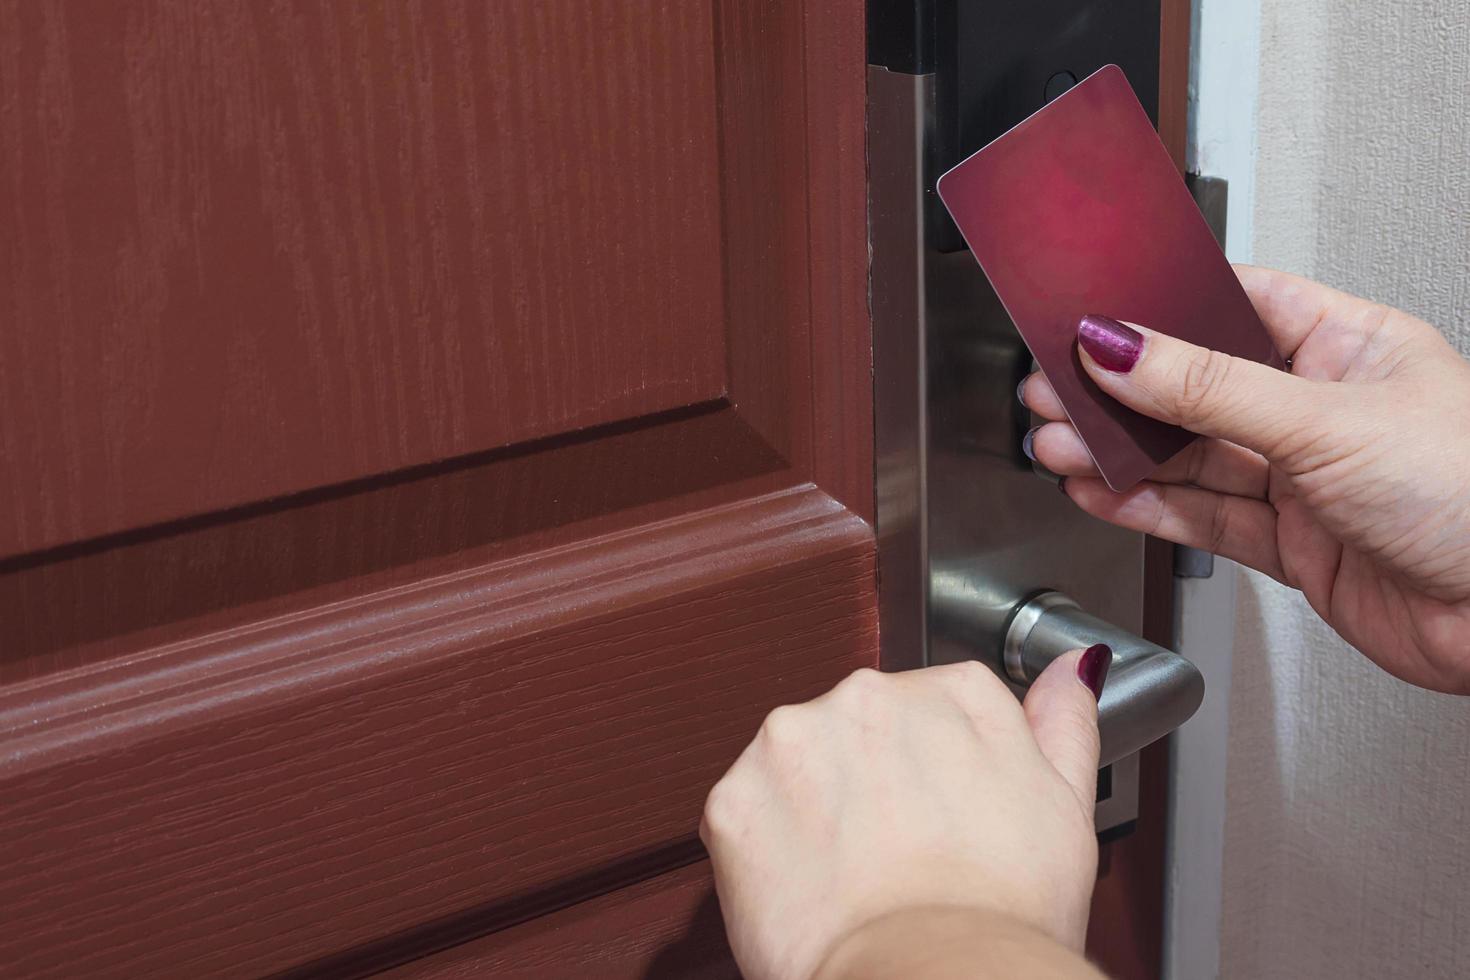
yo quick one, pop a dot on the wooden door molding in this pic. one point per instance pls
(376, 184)
(221, 782)
(668, 926)
(487, 653)
(1175, 28)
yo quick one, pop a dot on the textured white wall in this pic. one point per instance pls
(1347, 838)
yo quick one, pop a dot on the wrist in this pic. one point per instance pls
(941, 942)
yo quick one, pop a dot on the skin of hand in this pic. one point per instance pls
(951, 944)
(907, 819)
(1347, 478)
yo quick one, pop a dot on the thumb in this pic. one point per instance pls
(1061, 707)
(1208, 392)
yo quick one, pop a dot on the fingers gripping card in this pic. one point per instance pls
(1079, 210)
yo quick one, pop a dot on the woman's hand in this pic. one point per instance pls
(1348, 478)
(902, 819)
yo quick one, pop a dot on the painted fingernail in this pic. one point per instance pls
(1021, 390)
(1113, 345)
(1092, 667)
(1028, 444)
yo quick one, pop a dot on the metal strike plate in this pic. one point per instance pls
(967, 530)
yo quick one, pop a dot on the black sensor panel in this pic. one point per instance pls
(997, 61)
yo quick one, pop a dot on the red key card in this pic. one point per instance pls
(1079, 210)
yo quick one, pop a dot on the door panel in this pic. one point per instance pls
(434, 436)
(668, 926)
(258, 800)
(279, 249)
(100, 602)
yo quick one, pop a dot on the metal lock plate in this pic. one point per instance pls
(967, 529)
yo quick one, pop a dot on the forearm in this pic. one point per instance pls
(944, 942)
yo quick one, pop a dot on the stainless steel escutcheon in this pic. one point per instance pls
(1150, 691)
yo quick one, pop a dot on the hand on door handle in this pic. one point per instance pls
(877, 802)
(1150, 690)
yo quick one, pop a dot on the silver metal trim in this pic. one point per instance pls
(1022, 623)
(966, 530)
(1212, 197)
(900, 111)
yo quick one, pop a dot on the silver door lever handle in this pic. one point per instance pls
(1149, 692)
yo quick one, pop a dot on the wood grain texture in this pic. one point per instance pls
(1174, 41)
(78, 609)
(799, 400)
(843, 441)
(304, 787)
(766, 214)
(813, 271)
(667, 927)
(255, 249)
(440, 687)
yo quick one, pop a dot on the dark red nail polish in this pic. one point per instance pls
(1114, 346)
(1092, 667)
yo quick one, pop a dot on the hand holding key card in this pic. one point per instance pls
(1344, 478)
(1078, 211)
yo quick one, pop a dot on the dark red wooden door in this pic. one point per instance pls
(433, 435)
